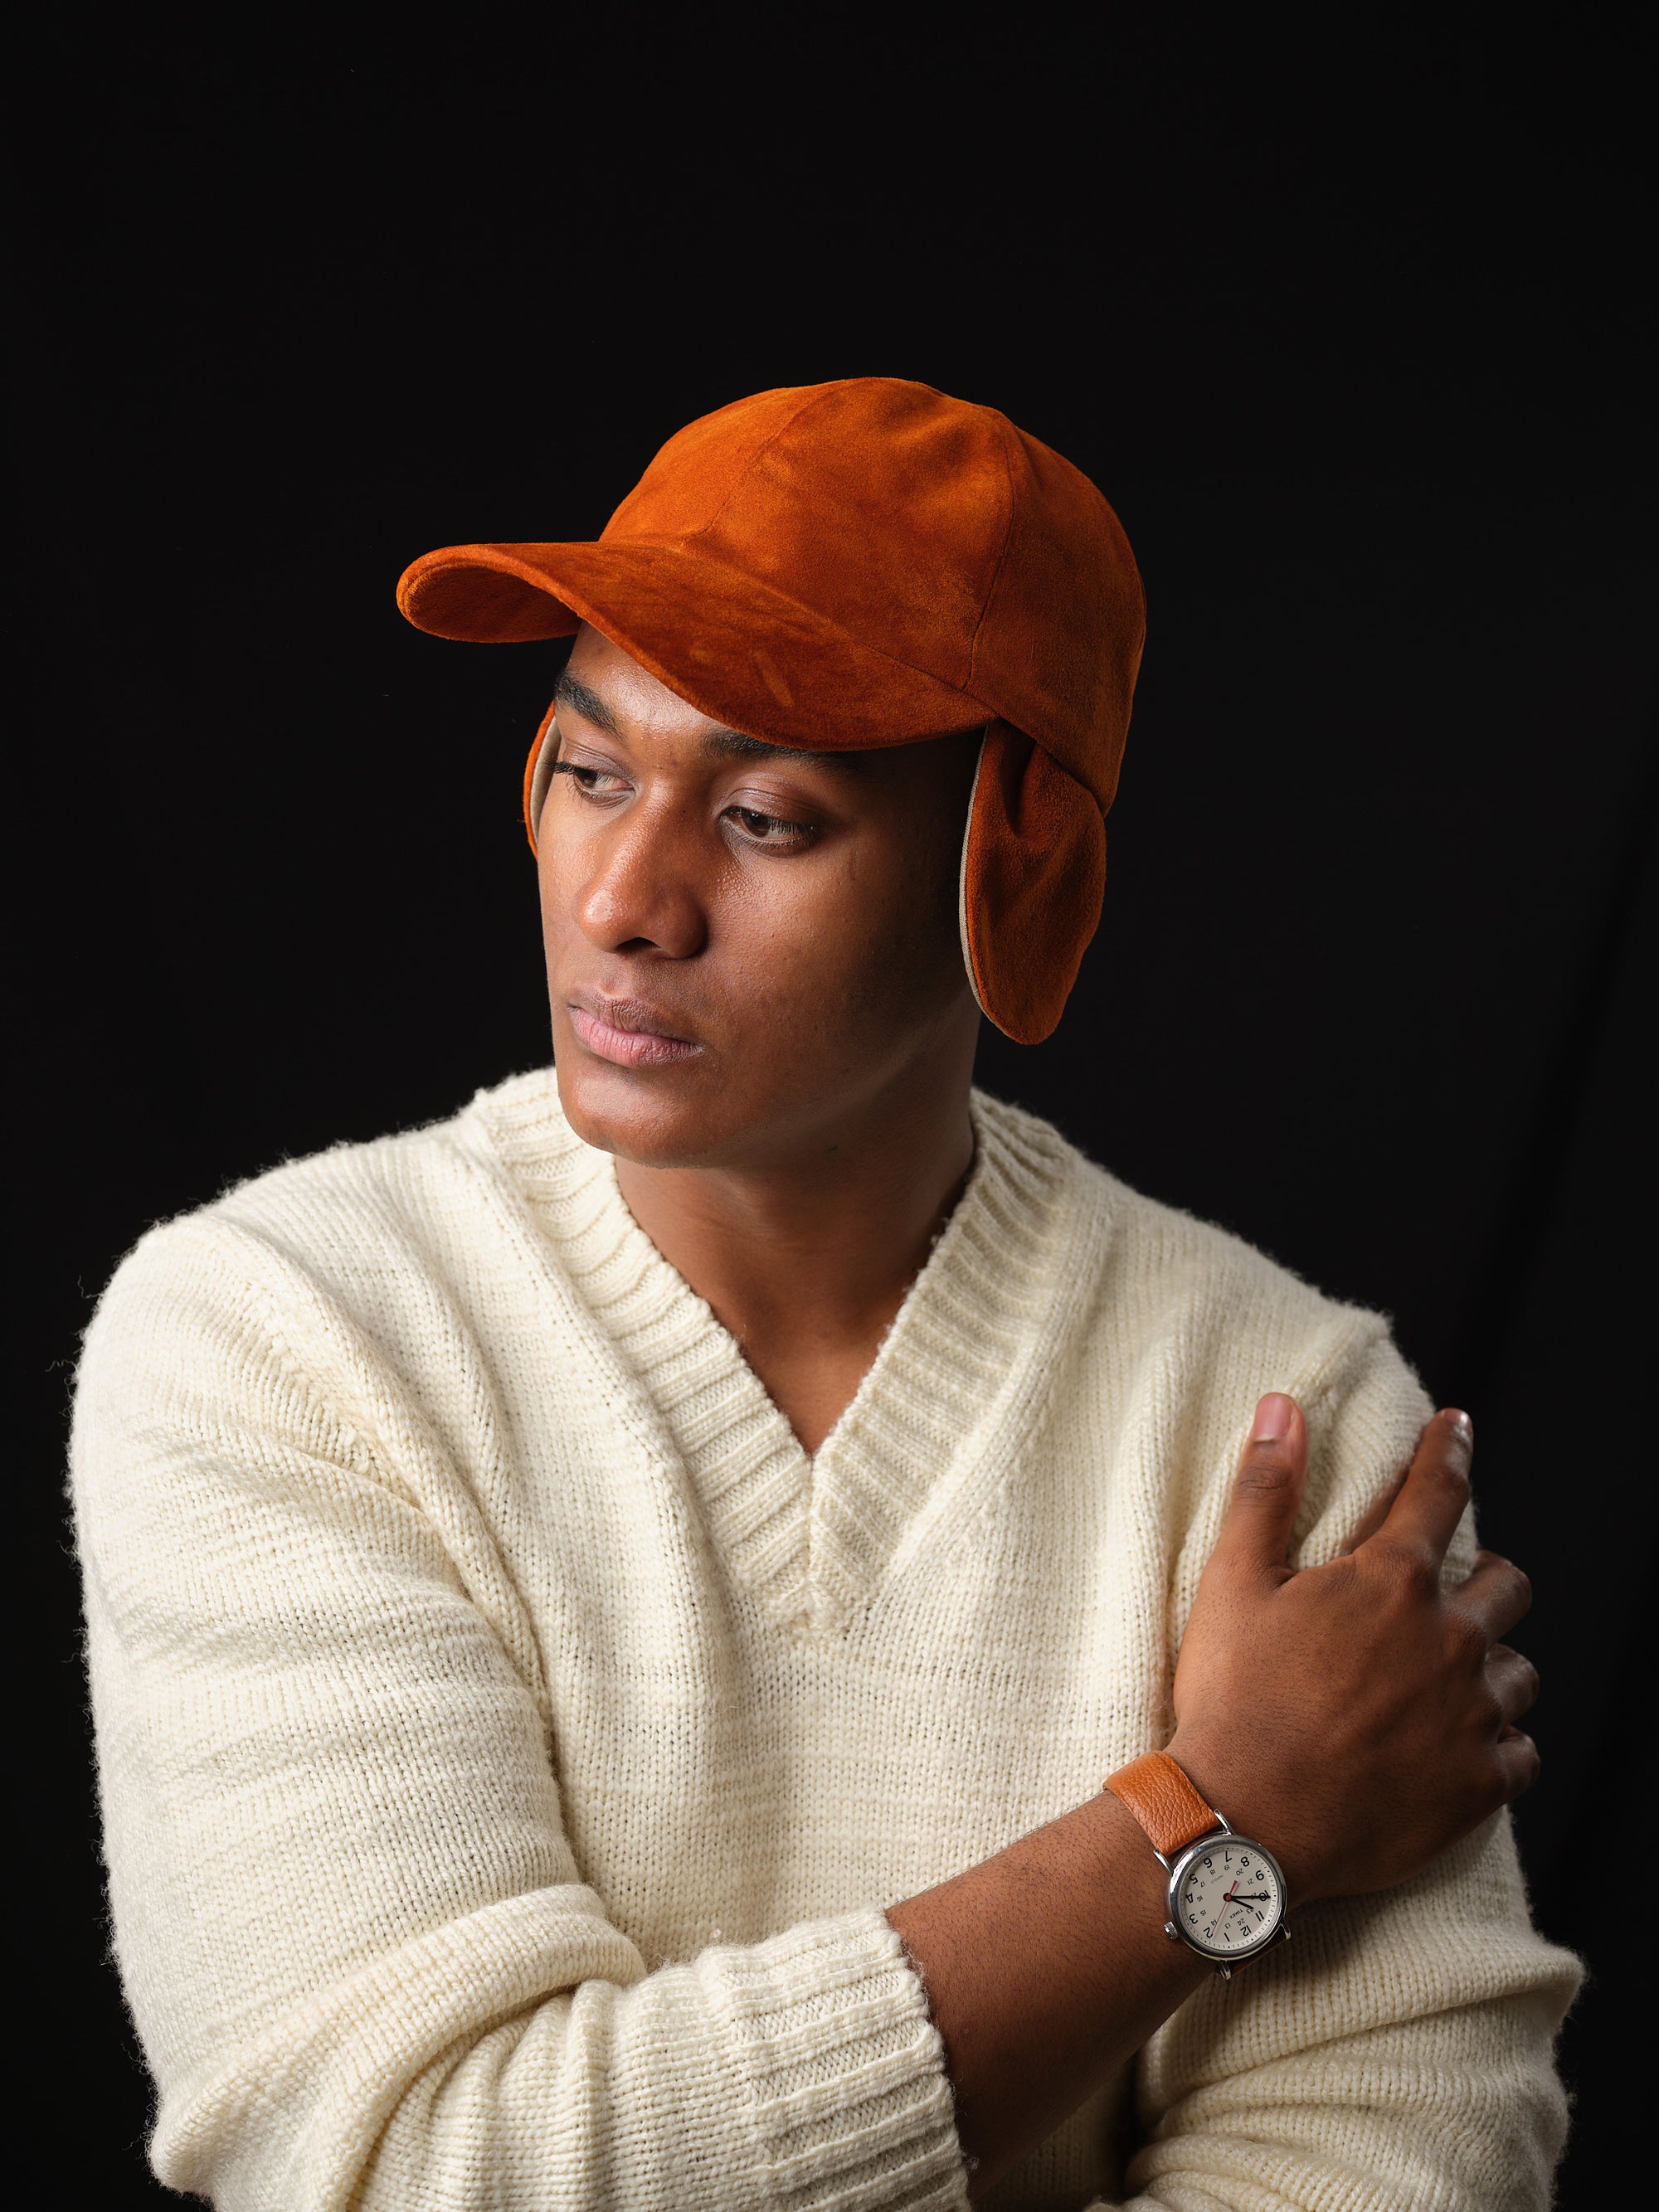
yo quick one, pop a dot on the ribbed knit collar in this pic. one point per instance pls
(954, 1389)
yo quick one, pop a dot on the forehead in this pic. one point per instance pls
(610, 686)
(609, 690)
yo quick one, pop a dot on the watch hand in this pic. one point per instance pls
(1210, 1931)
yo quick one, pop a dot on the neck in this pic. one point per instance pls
(805, 1257)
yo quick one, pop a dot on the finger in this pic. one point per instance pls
(1517, 1762)
(1273, 1470)
(1513, 1681)
(1497, 1593)
(1377, 1511)
(1436, 1491)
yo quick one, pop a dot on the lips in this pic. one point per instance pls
(628, 1032)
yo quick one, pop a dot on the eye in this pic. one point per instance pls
(774, 832)
(597, 782)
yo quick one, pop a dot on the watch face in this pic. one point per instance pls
(1228, 1897)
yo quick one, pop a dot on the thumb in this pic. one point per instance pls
(1273, 1471)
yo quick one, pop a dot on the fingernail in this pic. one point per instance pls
(1272, 1418)
(1460, 1420)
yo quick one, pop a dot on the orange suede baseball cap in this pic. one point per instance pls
(863, 563)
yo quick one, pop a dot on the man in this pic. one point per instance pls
(609, 1618)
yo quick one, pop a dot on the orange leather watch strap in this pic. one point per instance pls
(1163, 1798)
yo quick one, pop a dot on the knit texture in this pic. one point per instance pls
(508, 1736)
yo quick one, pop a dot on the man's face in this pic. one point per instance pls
(746, 946)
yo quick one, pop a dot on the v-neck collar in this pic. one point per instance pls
(949, 1396)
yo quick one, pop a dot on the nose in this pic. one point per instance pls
(642, 894)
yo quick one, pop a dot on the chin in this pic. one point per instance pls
(639, 1115)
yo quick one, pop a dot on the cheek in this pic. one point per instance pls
(563, 866)
(907, 900)
(806, 949)
(876, 944)
(548, 891)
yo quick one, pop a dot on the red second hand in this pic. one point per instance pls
(1210, 1931)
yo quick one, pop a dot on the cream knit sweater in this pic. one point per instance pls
(509, 1737)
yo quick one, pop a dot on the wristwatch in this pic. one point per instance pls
(1226, 1894)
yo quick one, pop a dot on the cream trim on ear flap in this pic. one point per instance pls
(541, 775)
(962, 871)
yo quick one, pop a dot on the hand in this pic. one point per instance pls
(1353, 1718)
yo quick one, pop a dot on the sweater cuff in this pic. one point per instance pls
(841, 2071)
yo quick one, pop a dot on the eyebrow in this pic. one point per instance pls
(570, 691)
(735, 745)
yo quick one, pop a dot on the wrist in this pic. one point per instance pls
(1226, 1894)
(1238, 1791)
(1127, 1904)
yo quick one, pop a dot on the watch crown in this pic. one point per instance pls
(1172, 1931)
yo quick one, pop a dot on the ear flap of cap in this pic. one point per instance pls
(1033, 876)
(538, 774)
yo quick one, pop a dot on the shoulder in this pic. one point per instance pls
(411, 1183)
(357, 1229)
(1190, 1325)
(406, 1182)
(1161, 1267)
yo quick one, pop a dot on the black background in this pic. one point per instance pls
(1348, 325)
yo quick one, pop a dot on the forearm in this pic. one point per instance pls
(1046, 1969)
(799, 2069)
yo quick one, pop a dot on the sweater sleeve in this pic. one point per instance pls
(361, 1957)
(1398, 2051)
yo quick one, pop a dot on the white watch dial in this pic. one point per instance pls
(1230, 1898)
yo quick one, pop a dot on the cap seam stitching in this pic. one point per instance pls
(818, 397)
(1005, 430)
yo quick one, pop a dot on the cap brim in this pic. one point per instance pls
(735, 648)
